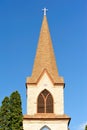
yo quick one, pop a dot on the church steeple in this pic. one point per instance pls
(45, 58)
(45, 88)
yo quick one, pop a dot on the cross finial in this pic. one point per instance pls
(45, 10)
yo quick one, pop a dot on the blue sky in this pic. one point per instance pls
(20, 23)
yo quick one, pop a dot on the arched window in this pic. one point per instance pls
(45, 102)
(45, 128)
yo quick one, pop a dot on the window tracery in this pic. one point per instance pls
(45, 102)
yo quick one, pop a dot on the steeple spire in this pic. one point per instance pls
(45, 59)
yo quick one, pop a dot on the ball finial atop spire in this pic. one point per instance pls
(45, 10)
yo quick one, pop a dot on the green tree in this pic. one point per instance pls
(86, 127)
(5, 115)
(16, 111)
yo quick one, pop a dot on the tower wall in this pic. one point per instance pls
(56, 91)
(53, 125)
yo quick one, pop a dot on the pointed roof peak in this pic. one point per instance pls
(45, 58)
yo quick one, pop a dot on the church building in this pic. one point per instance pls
(45, 88)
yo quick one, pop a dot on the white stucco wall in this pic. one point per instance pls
(34, 90)
(53, 125)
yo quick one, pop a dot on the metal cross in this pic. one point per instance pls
(45, 10)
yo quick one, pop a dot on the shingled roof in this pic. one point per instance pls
(45, 58)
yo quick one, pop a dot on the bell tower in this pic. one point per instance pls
(45, 88)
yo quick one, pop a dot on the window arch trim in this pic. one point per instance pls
(45, 127)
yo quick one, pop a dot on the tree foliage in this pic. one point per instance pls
(16, 111)
(86, 127)
(5, 114)
(11, 117)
